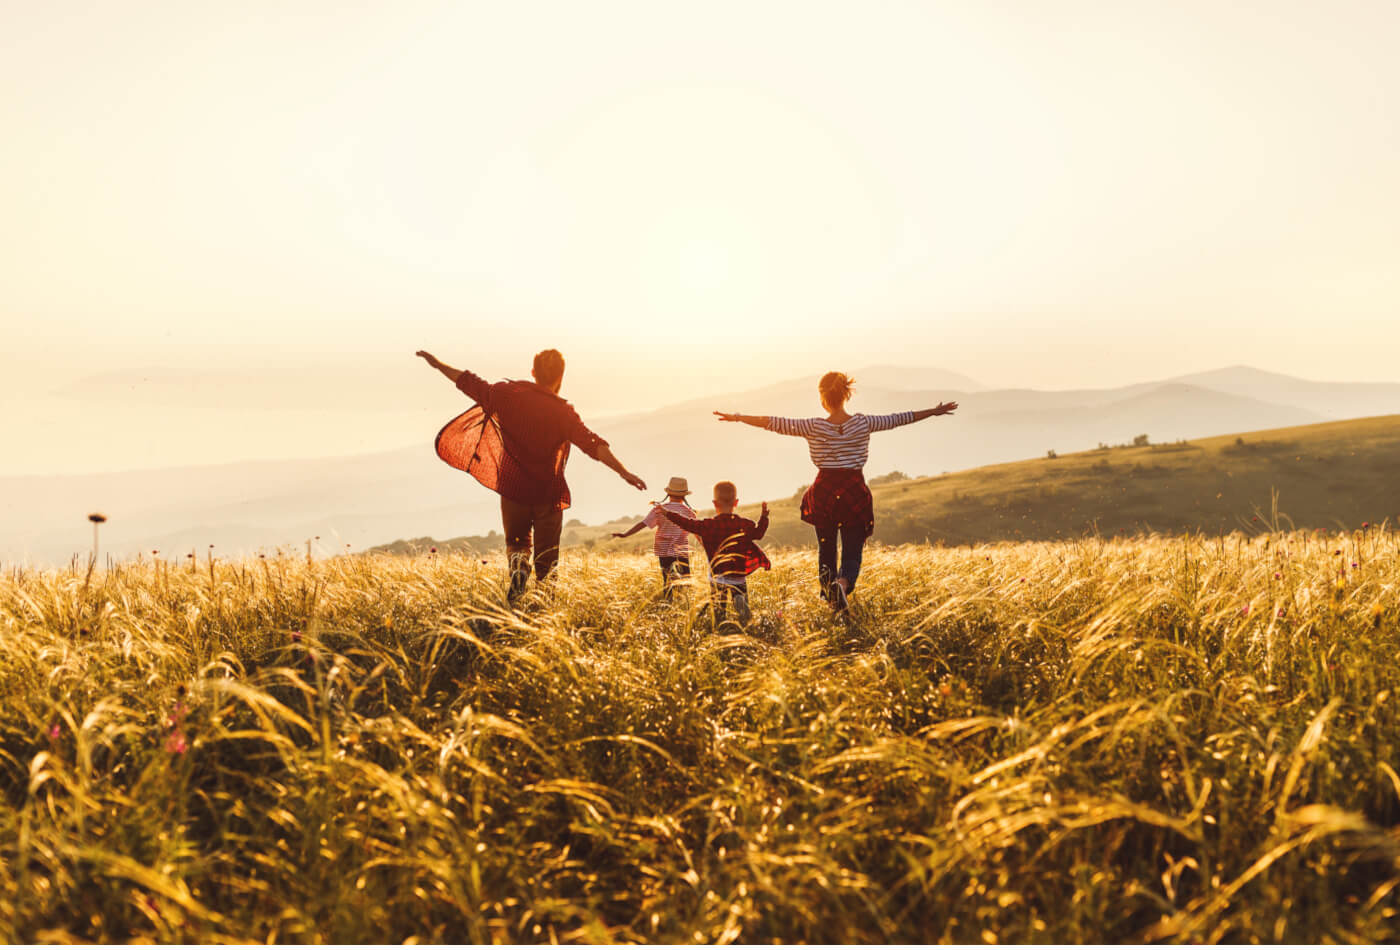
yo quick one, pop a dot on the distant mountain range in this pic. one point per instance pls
(365, 500)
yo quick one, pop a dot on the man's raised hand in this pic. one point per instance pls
(728, 416)
(944, 408)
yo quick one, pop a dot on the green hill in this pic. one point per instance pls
(1330, 475)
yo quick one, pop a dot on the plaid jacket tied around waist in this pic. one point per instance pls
(840, 496)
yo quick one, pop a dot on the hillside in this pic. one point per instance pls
(1328, 475)
(362, 499)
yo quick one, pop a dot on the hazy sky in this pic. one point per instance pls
(684, 198)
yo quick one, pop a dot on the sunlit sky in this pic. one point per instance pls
(686, 199)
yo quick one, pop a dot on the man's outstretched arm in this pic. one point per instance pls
(465, 380)
(607, 458)
(440, 366)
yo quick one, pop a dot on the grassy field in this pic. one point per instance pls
(1099, 740)
(1333, 475)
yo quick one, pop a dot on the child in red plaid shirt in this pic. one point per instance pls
(729, 544)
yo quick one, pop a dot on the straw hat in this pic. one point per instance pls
(677, 486)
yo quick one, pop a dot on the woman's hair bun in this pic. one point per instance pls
(836, 388)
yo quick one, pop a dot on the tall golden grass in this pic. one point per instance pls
(1154, 739)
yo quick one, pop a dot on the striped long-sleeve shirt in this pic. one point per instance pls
(838, 445)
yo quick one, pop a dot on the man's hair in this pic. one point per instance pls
(549, 367)
(725, 491)
(836, 388)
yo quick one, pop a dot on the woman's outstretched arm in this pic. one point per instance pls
(800, 427)
(896, 419)
(759, 421)
(942, 409)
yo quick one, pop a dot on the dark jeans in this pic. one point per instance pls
(672, 570)
(722, 595)
(852, 546)
(519, 521)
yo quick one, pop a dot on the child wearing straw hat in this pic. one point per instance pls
(672, 545)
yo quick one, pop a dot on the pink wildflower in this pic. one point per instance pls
(54, 731)
(176, 743)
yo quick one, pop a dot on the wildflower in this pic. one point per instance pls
(54, 730)
(177, 715)
(296, 635)
(1277, 575)
(1353, 564)
(1244, 611)
(176, 743)
(945, 689)
(1365, 524)
(1338, 551)
(432, 550)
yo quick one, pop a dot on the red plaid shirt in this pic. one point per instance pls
(515, 440)
(728, 540)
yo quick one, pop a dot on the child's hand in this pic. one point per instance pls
(765, 507)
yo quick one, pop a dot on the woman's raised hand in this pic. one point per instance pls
(728, 416)
(944, 408)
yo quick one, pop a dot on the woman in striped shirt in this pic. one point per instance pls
(838, 504)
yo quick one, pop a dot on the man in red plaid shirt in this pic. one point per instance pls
(515, 441)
